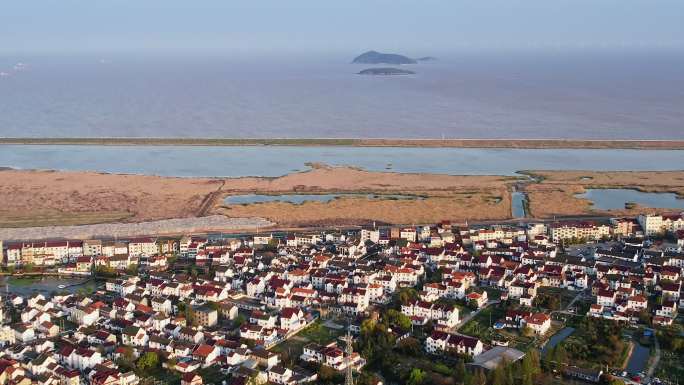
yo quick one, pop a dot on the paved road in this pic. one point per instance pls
(569, 305)
(578, 296)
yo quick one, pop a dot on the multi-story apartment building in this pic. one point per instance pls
(205, 316)
(111, 249)
(142, 246)
(651, 224)
(578, 230)
(92, 247)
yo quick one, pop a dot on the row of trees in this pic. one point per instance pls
(523, 372)
(671, 339)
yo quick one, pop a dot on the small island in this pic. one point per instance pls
(375, 57)
(385, 72)
(427, 58)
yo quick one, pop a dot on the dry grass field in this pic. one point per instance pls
(554, 195)
(41, 198)
(45, 198)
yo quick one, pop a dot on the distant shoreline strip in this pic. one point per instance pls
(342, 142)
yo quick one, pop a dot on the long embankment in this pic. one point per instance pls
(456, 143)
(123, 230)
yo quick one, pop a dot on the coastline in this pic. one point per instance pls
(638, 144)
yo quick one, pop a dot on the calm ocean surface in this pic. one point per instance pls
(188, 161)
(562, 95)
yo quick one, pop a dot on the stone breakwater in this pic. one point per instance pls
(122, 230)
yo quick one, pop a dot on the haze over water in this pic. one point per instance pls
(608, 95)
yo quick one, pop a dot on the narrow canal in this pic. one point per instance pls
(557, 338)
(639, 358)
(518, 204)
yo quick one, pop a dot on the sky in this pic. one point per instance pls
(274, 26)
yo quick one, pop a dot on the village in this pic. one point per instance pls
(529, 303)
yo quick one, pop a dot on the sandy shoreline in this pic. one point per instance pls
(389, 142)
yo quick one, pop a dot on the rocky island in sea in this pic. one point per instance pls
(375, 57)
(385, 71)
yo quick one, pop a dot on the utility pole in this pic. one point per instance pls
(349, 375)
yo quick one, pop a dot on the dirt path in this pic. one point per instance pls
(210, 200)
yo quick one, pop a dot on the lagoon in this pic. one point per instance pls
(273, 161)
(26, 286)
(615, 199)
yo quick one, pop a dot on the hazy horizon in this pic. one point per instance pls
(575, 69)
(271, 26)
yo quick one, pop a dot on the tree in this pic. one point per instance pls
(527, 331)
(105, 271)
(645, 317)
(460, 372)
(132, 269)
(326, 373)
(395, 317)
(530, 367)
(510, 378)
(148, 361)
(190, 316)
(498, 376)
(171, 363)
(127, 353)
(410, 346)
(181, 307)
(407, 295)
(253, 380)
(479, 378)
(559, 356)
(416, 377)
(239, 320)
(366, 378)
